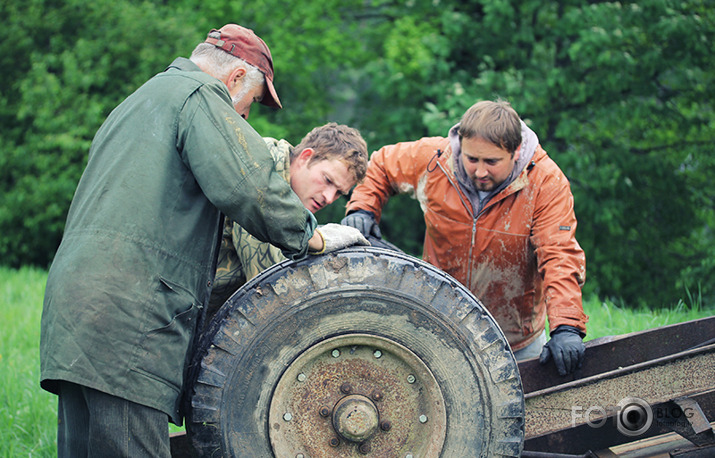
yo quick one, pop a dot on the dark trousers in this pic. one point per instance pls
(95, 424)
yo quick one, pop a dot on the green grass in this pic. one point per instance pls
(28, 415)
(608, 319)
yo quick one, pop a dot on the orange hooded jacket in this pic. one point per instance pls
(519, 255)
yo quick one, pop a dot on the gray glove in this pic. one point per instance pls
(337, 236)
(566, 348)
(364, 221)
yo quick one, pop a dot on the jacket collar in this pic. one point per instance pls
(182, 63)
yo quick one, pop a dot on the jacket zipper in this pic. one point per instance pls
(474, 224)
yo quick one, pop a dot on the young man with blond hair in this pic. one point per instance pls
(325, 165)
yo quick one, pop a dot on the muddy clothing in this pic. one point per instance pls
(242, 256)
(135, 266)
(514, 249)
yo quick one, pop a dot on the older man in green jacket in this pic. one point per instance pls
(135, 267)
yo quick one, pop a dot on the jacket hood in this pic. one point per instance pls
(529, 143)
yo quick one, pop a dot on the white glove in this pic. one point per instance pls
(337, 236)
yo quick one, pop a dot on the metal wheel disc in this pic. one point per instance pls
(357, 394)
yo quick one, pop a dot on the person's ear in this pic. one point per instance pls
(306, 154)
(235, 77)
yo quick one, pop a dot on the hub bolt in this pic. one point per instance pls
(324, 411)
(385, 425)
(334, 442)
(364, 448)
(346, 388)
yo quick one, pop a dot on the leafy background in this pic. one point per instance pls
(620, 93)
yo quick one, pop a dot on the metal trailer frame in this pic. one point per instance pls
(644, 394)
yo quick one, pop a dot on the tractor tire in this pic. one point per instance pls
(362, 352)
(382, 243)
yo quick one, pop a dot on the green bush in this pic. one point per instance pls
(68, 65)
(620, 94)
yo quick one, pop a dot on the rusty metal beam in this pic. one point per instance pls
(583, 438)
(669, 369)
(610, 353)
(661, 380)
(695, 452)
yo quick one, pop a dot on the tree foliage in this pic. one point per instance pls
(67, 65)
(620, 94)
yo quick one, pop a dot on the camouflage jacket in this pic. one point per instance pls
(242, 256)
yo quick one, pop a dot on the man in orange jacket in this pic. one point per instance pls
(500, 219)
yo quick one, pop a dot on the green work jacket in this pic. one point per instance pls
(135, 266)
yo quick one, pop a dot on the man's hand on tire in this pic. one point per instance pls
(364, 221)
(336, 236)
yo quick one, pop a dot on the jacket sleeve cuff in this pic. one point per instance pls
(555, 323)
(567, 328)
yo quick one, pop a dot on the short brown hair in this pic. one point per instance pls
(494, 121)
(336, 141)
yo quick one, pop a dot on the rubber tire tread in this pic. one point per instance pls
(295, 304)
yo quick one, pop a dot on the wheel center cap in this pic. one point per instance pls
(355, 418)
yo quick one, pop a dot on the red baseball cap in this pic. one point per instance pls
(245, 44)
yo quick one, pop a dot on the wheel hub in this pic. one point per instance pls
(357, 394)
(355, 418)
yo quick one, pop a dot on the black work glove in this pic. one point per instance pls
(364, 221)
(566, 348)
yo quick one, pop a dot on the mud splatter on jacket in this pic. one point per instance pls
(519, 255)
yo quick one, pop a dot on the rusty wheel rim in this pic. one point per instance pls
(357, 395)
